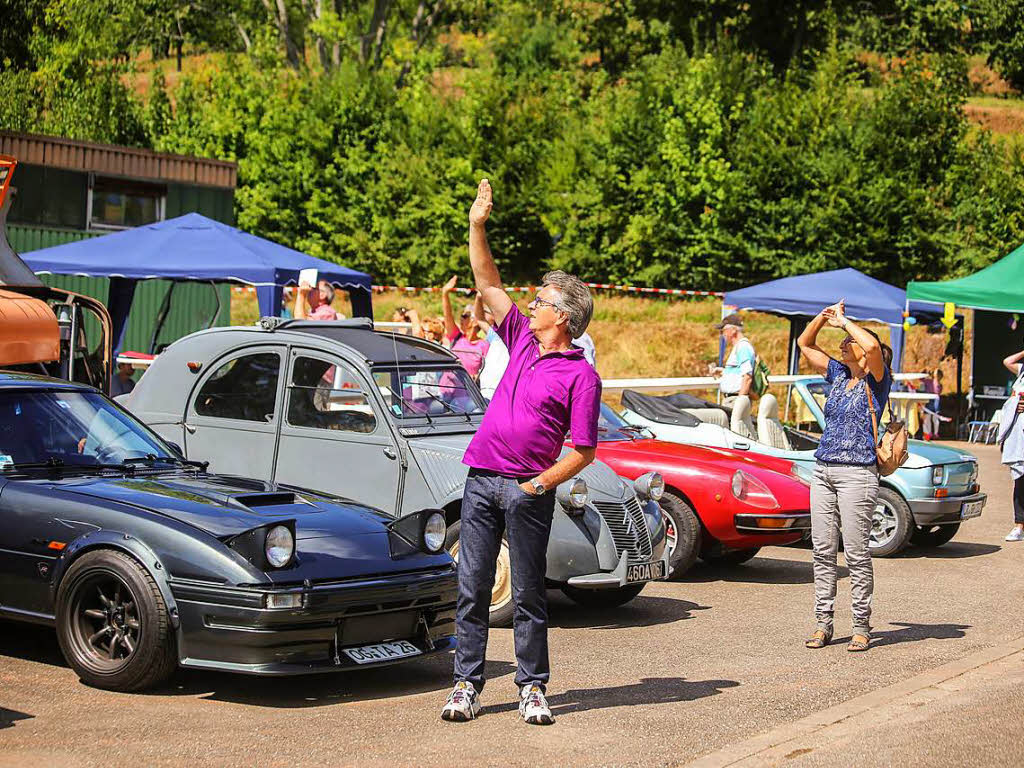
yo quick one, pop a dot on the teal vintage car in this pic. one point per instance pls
(924, 502)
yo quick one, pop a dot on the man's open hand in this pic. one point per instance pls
(450, 285)
(481, 207)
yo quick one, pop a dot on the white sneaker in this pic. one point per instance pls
(463, 703)
(1015, 535)
(533, 707)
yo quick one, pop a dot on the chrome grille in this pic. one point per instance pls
(629, 529)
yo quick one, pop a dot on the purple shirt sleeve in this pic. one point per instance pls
(585, 409)
(513, 327)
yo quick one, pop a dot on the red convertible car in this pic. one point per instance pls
(723, 505)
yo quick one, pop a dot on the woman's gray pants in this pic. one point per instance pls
(843, 497)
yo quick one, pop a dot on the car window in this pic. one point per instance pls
(443, 393)
(244, 388)
(326, 396)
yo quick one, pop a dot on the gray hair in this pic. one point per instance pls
(576, 300)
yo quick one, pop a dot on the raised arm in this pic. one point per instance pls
(485, 271)
(478, 312)
(301, 298)
(450, 327)
(808, 343)
(1013, 361)
(867, 342)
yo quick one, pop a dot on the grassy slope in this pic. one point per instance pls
(645, 337)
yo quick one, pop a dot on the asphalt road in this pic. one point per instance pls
(685, 669)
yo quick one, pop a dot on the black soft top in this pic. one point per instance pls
(665, 409)
(378, 347)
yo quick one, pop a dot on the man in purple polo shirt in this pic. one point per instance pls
(548, 390)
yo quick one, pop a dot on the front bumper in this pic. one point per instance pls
(942, 511)
(227, 628)
(767, 524)
(618, 577)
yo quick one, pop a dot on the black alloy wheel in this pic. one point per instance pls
(682, 533)
(112, 624)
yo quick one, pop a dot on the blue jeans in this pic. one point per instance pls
(491, 505)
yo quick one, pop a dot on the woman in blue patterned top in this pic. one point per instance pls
(845, 485)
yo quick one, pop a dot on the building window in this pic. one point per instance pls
(120, 204)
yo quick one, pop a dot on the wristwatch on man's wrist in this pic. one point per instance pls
(538, 487)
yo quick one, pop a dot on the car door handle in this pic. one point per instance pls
(188, 427)
(741, 446)
(389, 452)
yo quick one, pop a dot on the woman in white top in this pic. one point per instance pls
(1011, 441)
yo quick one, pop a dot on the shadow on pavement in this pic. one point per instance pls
(650, 690)
(30, 642)
(759, 570)
(641, 611)
(8, 717)
(910, 633)
(952, 550)
(433, 674)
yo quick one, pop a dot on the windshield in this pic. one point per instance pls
(611, 426)
(70, 428)
(441, 393)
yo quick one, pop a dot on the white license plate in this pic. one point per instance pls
(371, 654)
(971, 509)
(645, 571)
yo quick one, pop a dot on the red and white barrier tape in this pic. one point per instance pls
(529, 289)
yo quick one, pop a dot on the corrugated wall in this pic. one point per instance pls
(193, 304)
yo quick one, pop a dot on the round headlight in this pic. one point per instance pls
(578, 493)
(656, 489)
(737, 484)
(434, 531)
(280, 546)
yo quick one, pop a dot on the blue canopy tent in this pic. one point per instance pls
(193, 247)
(802, 297)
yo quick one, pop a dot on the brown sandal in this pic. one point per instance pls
(859, 643)
(819, 639)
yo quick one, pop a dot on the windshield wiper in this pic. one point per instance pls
(50, 463)
(410, 405)
(152, 458)
(448, 406)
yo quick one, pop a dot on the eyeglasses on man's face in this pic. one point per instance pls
(539, 302)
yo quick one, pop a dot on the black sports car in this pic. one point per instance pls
(143, 561)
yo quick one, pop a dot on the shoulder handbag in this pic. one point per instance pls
(892, 449)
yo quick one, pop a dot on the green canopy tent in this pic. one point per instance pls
(994, 291)
(998, 287)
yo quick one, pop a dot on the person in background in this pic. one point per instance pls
(515, 465)
(122, 383)
(315, 303)
(932, 416)
(584, 342)
(465, 337)
(737, 377)
(287, 296)
(845, 484)
(404, 315)
(1011, 441)
(496, 359)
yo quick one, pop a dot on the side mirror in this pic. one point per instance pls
(176, 448)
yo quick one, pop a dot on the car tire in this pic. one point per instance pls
(892, 524)
(933, 535)
(603, 598)
(107, 594)
(502, 605)
(683, 537)
(734, 557)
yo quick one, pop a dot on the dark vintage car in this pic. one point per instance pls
(143, 561)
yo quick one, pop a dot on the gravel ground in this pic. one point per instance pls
(684, 669)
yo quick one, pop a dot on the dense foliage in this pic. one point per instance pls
(696, 143)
